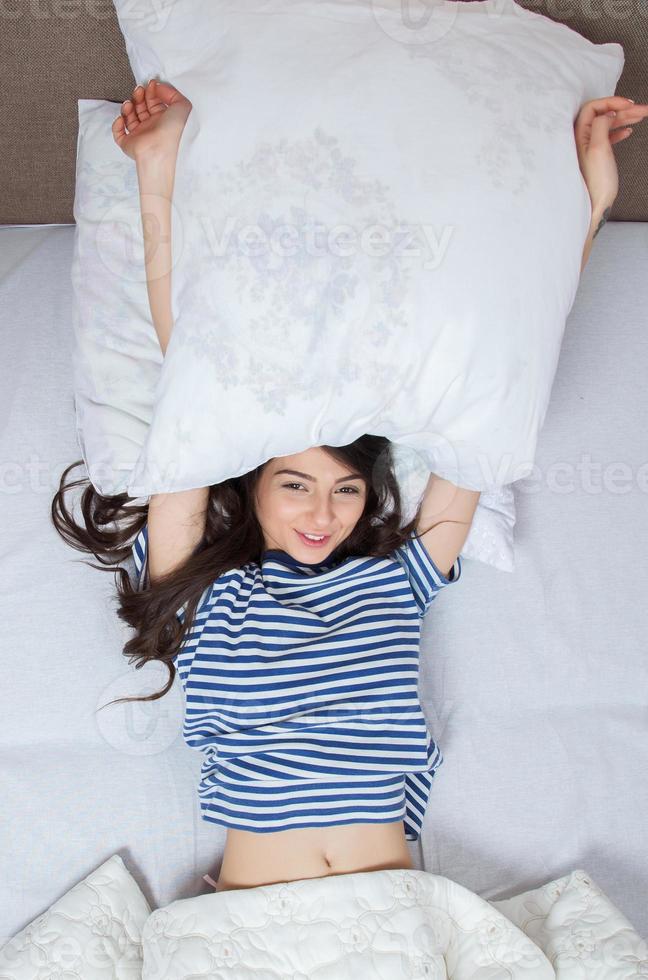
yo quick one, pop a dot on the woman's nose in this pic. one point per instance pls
(322, 512)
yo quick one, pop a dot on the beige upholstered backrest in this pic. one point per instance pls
(54, 52)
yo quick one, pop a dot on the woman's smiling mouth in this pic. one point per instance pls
(313, 542)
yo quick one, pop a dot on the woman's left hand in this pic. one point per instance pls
(596, 132)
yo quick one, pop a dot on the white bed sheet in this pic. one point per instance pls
(534, 683)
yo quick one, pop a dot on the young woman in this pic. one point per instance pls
(290, 599)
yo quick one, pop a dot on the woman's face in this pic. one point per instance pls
(318, 496)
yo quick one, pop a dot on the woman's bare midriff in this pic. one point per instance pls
(253, 859)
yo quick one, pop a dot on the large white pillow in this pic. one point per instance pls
(117, 356)
(93, 932)
(444, 148)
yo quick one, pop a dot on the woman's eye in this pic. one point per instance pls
(352, 489)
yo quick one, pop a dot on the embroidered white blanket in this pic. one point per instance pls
(393, 925)
(377, 925)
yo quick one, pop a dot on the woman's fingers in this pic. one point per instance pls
(165, 92)
(594, 108)
(129, 114)
(600, 132)
(600, 128)
(621, 134)
(614, 102)
(168, 93)
(628, 117)
(627, 112)
(147, 102)
(118, 129)
(619, 100)
(139, 102)
(153, 100)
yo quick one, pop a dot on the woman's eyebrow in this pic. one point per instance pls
(305, 476)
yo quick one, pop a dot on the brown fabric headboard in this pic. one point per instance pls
(53, 53)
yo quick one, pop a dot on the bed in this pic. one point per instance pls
(534, 683)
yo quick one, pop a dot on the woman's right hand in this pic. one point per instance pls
(596, 132)
(151, 123)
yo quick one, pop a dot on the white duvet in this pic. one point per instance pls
(393, 925)
(379, 925)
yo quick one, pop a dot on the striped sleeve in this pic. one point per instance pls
(425, 579)
(140, 557)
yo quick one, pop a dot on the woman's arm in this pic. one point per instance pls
(451, 509)
(155, 175)
(149, 130)
(600, 124)
(176, 525)
(600, 215)
(176, 521)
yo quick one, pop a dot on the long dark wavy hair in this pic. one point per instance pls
(232, 537)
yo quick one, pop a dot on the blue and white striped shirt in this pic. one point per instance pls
(301, 686)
